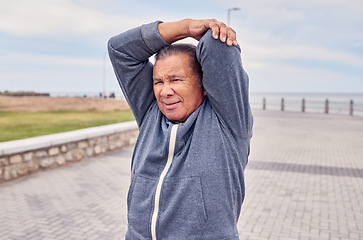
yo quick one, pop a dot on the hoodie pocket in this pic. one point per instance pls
(140, 201)
(182, 212)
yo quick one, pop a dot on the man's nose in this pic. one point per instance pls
(167, 90)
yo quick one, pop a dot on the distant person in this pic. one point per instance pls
(195, 122)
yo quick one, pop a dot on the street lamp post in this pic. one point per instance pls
(229, 13)
(104, 77)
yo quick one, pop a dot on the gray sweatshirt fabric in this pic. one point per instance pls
(202, 192)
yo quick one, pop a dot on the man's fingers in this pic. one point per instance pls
(231, 37)
(222, 32)
(213, 24)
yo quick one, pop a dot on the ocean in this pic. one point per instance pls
(338, 103)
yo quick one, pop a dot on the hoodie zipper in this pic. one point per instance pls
(161, 180)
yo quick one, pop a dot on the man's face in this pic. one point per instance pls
(176, 87)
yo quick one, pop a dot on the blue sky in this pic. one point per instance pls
(59, 46)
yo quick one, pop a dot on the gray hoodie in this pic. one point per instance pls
(187, 180)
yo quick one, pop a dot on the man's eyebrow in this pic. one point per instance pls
(175, 76)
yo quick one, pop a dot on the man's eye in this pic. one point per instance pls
(157, 82)
(176, 80)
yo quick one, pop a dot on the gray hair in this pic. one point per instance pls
(178, 48)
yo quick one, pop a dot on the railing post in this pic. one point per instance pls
(351, 108)
(303, 105)
(264, 104)
(326, 106)
(282, 104)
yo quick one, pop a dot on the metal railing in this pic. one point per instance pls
(305, 105)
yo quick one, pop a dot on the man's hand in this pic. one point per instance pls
(174, 31)
(197, 28)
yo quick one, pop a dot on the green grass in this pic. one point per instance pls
(19, 125)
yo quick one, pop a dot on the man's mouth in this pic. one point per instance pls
(171, 106)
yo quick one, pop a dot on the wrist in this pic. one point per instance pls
(174, 31)
(185, 24)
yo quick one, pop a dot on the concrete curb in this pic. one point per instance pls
(27, 156)
(23, 145)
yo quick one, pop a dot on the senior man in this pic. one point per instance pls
(192, 109)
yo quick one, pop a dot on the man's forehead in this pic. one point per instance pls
(173, 59)
(170, 67)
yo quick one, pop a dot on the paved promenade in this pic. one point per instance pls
(304, 181)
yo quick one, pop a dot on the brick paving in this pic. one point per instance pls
(304, 180)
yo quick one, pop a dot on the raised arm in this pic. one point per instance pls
(226, 84)
(129, 53)
(224, 78)
(174, 31)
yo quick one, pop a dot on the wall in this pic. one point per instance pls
(27, 156)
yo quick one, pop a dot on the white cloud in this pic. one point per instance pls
(15, 59)
(271, 68)
(56, 18)
(277, 77)
(314, 21)
(302, 52)
(55, 73)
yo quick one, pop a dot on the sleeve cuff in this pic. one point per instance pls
(151, 36)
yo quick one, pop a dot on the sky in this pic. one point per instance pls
(60, 46)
